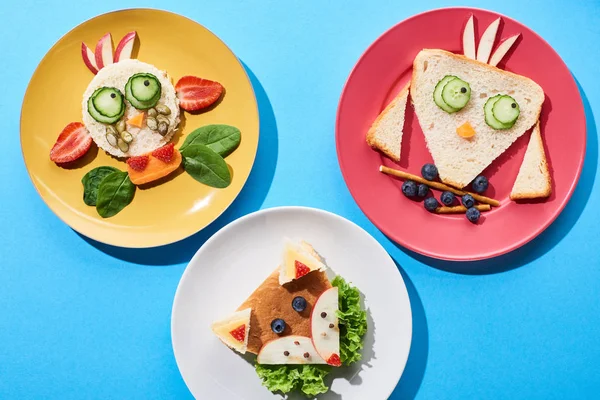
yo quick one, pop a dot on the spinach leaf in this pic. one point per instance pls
(114, 194)
(222, 139)
(91, 181)
(206, 166)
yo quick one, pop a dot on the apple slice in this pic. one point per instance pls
(104, 51)
(88, 58)
(298, 261)
(469, 39)
(487, 41)
(502, 49)
(125, 47)
(289, 350)
(233, 330)
(324, 327)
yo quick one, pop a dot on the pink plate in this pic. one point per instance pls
(379, 75)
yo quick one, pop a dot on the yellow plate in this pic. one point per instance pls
(178, 207)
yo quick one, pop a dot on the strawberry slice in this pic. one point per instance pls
(334, 360)
(138, 163)
(196, 93)
(301, 269)
(72, 143)
(239, 333)
(165, 153)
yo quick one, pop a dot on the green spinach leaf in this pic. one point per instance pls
(91, 181)
(114, 193)
(222, 139)
(206, 166)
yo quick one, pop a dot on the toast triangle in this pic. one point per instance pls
(460, 160)
(386, 132)
(533, 180)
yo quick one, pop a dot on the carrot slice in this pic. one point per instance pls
(465, 130)
(137, 120)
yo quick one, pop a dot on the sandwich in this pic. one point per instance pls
(533, 180)
(300, 327)
(386, 132)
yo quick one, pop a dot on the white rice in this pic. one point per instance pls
(145, 139)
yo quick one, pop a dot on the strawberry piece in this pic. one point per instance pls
(239, 333)
(196, 93)
(301, 269)
(334, 360)
(138, 163)
(72, 143)
(165, 153)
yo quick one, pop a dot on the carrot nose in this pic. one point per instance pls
(465, 131)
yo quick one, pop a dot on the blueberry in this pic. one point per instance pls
(447, 198)
(299, 303)
(422, 190)
(429, 172)
(409, 188)
(431, 204)
(278, 325)
(473, 214)
(480, 184)
(468, 201)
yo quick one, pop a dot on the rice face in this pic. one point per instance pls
(145, 140)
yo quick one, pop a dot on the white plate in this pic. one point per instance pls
(232, 263)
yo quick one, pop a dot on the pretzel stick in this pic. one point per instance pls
(437, 185)
(461, 209)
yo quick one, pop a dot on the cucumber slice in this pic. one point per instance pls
(140, 105)
(99, 116)
(437, 94)
(456, 93)
(506, 110)
(108, 101)
(144, 87)
(489, 114)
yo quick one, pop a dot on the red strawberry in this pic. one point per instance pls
(334, 360)
(239, 333)
(301, 269)
(165, 153)
(73, 142)
(196, 93)
(138, 163)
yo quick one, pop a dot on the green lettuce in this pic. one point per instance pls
(285, 378)
(352, 320)
(310, 378)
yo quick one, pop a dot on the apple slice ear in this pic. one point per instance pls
(89, 58)
(487, 41)
(469, 39)
(104, 51)
(502, 49)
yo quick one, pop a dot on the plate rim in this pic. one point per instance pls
(433, 254)
(125, 244)
(277, 209)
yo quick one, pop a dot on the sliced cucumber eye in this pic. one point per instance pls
(143, 91)
(106, 105)
(506, 110)
(492, 109)
(451, 94)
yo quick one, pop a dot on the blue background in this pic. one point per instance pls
(81, 320)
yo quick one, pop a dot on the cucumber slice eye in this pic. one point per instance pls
(451, 94)
(506, 110)
(106, 105)
(143, 91)
(456, 93)
(490, 119)
(437, 94)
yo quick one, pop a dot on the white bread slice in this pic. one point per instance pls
(385, 134)
(298, 260)
(460, 160)
(237, 323)
(533, 180)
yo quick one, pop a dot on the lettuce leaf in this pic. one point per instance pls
(285, 378)
(352, 321)
(310, 378)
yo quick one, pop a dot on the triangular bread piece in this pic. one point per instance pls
(386, 132)
(233, 330)
(533, 180)
(460, 160)
(298, 260)
(271, 300)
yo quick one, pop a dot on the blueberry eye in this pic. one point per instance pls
(278, 325)
(299, 303)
